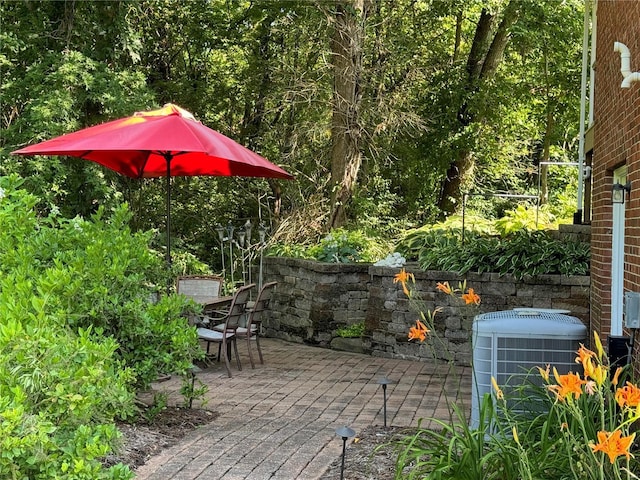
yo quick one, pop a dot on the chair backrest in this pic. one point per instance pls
(238, 307)
(262, 302)
(199, 288)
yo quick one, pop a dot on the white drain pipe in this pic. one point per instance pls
(577, 219)
(625, 65)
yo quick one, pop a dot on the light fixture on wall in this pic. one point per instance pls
(619, 191)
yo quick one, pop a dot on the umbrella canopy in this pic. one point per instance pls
(157, 143)
(160, 143)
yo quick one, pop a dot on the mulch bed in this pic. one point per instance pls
(148, 437)
(371, 455)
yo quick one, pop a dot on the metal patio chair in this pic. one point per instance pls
(201, 289)
(255, 316)
(225, 336)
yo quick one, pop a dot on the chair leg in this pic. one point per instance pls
(249, 349)
(259, 349)
(235, 348)
(226, 358)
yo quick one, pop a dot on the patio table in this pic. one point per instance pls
(215, 304)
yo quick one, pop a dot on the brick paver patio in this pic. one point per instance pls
(278, 421)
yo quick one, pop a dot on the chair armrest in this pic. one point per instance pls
(217, 315)
(201, 320)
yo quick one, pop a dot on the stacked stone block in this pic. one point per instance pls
(314, 300)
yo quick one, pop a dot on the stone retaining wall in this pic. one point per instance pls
(315, 299)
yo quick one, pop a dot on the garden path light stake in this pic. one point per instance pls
(384, 381)
(346, 433)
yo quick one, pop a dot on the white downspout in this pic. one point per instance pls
(625, 65)
(583, 102)
(592, 62)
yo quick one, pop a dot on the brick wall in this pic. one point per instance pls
(616, 143)
(314, 299)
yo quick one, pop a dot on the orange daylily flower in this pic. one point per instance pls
(616, 376)
(586, 357)
(403, 277)
(498, 390)
(569, 385)
(613, 444)
(599, 349)
(628, 396)
(584, 354)
(544, 373)
(597, 373)
(444, 288)
(471, 297)
(514, 431)
(419, 332)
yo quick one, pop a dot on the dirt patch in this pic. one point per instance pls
(371, 456)
(146, 438)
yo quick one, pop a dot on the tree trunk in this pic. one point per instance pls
(254, 110)
(458, 37)
(483, 61)
(346, 157)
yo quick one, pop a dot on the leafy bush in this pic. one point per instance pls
(339, 246)
(429, 236)
(352, 331)
(520, 254)
(288, 250)
(78, 334)
(521, 218)
(59, 393)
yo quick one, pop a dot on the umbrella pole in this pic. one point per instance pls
(168, 158)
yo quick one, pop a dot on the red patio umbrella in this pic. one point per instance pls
(166, 142)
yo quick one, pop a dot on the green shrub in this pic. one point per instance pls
(288, 250)
(339, 246)
(101, 275)
(352, 331)
(78, 335)
(523, 253)
(430, 236)
(524, 218)
(59, 393)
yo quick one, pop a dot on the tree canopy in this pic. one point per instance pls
(386, 111)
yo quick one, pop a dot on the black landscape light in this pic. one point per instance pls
(346, 433)
(384, 381)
